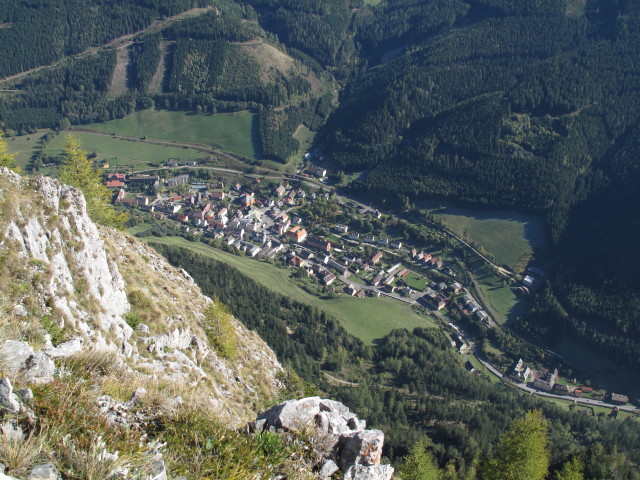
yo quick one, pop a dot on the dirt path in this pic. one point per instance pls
(338, 381)
(118, 43)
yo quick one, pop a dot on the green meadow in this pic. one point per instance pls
(505, 235)
(231, 132)
(124, 153)
(24, 146)
(366, 318)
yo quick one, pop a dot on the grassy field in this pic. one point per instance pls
(366, 318)
(505, 235)
(24, 146)
(415, 281)
(231, 132)
(498, 292)
(123, 152)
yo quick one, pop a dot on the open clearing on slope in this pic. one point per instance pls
(118, 85)
(366, 318)
(122, 152)
(505, 235)
(231, 132)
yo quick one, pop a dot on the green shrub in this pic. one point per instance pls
(133, 319)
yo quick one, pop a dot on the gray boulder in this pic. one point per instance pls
(357, 424)
(11, 431)
(332, 423)
(45, 471)
(20, 311)
(327, 405)
(360, 448)
(293, 415)
(370, 472)
(39, 368)
(8, 400)
(328, 468)
(65, 349)
(14, 355)
(157, 469)
(25, 395)
(142, 328)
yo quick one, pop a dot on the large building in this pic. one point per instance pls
(319, 243)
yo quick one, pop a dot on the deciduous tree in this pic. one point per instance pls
(6, 159)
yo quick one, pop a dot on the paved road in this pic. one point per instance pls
(540, 393)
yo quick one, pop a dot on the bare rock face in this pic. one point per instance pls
(343, 443)
(39, 368)
(14, 355)
(293, 415)
(8, 400)
(362, 447)
(82, 277)
(65, 349)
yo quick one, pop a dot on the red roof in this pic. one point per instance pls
(114, 184)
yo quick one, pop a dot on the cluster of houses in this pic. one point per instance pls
(261, 226)
(468, 306)
(426, 259)
(121, 180)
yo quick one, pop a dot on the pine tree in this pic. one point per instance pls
(521, 452)
(571, 470)
(78, 171)
(419, 465)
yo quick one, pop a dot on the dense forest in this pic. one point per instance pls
(411, 384)
(41, 32)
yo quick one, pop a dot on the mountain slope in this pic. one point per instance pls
(68, 281)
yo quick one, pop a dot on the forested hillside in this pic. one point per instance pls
(215, 57)
(43, 31)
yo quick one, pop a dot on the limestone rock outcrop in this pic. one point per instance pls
(77, 285)
(343, 443)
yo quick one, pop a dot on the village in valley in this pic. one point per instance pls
(334, 245)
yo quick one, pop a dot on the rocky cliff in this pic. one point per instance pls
(69, 285)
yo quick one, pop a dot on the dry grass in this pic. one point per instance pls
(118, 85)
(273, 63)
(19, 455)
